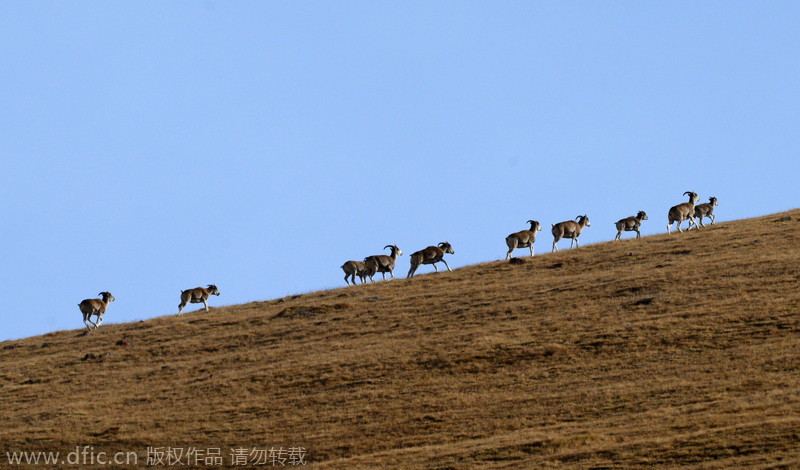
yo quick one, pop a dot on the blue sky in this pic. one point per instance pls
(149, 147)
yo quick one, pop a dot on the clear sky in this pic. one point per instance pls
(154, 146)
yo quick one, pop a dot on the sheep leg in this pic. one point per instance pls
(346, 276)
(411, 272)
(448, 267)
(99, 320)
(204, 303)
(555, 248)
(180, 307)
(701, 222)
(638, 234)
(711, 216)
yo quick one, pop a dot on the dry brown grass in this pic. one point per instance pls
(669, 351)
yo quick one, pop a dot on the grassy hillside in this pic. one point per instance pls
(677, 350)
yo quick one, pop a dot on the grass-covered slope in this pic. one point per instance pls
(679, 350)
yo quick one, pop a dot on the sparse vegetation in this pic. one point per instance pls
(657, 352)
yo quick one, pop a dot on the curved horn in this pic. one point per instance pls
(531, 221)
(388, 246)
(576, 218)
(101, 294)
(688, 193)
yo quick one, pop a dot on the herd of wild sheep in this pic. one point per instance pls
(383, 264)
(570, 229)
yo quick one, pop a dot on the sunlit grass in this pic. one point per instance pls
(668, 351)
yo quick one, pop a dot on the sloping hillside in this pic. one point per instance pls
(677, 350)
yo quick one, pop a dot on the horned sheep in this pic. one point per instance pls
(706, 210)
(569, 229)
(385, 263)
(523, 238)
(97, 307)
(430, 255)
(630, 224)
(683, 211)
(197, 295)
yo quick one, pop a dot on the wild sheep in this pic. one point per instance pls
(359, 268)
(97, 307)
(630, 224)
(523, 238)
(569, 229)
(385, 263)
(684, 211)
(706, 210)
(430, 255)
(197, 295)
